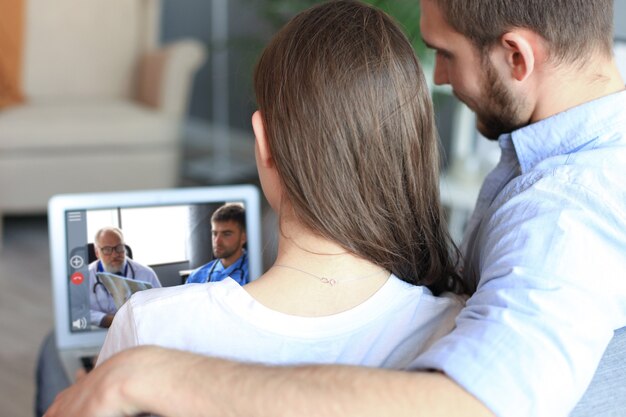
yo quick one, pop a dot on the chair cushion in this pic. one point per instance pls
(606, 396)
(82, 48)
(44, 126)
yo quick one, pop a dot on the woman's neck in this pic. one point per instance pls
(314, 276)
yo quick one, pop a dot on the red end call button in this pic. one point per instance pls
(77, 278)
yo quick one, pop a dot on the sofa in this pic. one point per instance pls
(104, 103)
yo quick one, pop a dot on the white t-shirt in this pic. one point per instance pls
(221, 319)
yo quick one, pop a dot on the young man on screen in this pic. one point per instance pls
(228, 237)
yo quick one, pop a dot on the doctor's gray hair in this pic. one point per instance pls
(350, 127)
(109, 229)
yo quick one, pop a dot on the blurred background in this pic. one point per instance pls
(116, 95)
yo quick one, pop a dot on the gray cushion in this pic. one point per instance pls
(606, 396)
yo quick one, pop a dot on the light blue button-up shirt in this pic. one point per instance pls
(546, 247)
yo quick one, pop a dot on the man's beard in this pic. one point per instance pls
(500, 112)
(112, 269)
(224, 253)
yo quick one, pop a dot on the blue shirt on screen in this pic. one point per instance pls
(214, 271)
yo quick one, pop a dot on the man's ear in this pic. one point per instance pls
(522, 49)
(262, 147)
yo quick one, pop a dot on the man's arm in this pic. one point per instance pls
(174, 383)
(147, 274)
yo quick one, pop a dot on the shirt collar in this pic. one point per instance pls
(564, 132)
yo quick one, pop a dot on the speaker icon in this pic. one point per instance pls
(80, 323)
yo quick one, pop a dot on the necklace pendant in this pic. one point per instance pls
(329, 281)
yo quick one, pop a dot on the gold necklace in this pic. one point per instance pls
(330, 281)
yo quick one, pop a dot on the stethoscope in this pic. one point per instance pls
(239, 268)
(106, 293)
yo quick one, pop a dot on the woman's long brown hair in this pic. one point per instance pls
(350, 126)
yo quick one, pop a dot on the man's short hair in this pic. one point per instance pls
(231, 211)
(573, 29)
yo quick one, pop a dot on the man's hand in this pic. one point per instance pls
(101, 392)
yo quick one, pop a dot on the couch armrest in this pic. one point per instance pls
(166, 75)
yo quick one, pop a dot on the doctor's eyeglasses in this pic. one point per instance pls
(107, 250)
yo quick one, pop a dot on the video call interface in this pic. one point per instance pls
(171, 240)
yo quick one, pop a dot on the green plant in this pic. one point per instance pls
(405, 12)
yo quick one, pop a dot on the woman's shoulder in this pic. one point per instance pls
(426, 297)
(186, 295)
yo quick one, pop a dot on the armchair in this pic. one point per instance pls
(104, 103)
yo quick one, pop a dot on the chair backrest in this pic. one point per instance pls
(86, 48)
